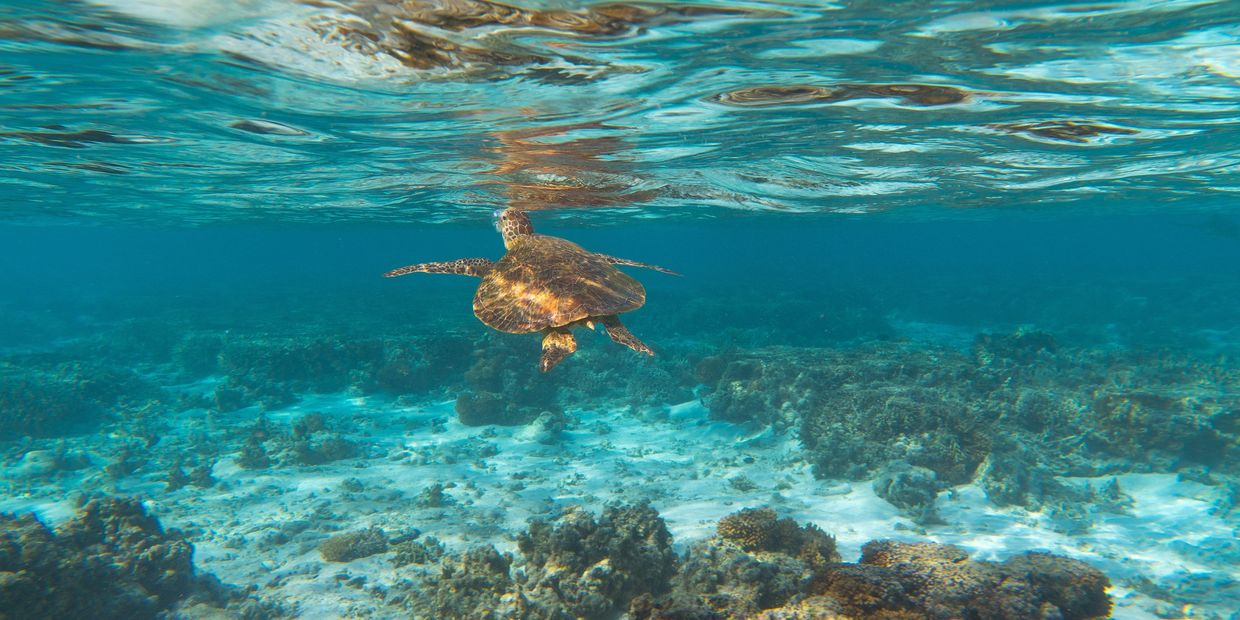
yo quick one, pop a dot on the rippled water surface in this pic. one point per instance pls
(433, 110)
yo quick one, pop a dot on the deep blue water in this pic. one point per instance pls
(994, 243)
(1148, 280)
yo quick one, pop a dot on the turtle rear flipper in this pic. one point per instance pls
(558, 343)
(476, 267)
(632, 263)
(621, 335)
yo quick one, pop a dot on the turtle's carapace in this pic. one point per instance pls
(549, 285)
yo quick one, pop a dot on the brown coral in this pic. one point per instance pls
(760, 529)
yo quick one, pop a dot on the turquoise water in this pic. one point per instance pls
(951, 273)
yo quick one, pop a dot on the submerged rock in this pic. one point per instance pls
(910, 488)
(42, 464)
(113, 560)
(547, 429)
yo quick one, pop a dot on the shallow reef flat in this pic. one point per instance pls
(439, 474)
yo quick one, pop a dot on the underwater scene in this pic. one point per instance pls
(630, 309)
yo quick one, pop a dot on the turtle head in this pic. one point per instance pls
(514, 223)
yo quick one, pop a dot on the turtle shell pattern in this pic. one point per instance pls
(550, 282)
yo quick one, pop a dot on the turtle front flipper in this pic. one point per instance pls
(621, 335)
(476, 267)
(632, 263)
(558, 343)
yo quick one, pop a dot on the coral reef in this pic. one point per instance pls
(940, 581)
(424, 551)
(720, 580)
(589, 567)
(604, 372)
(52, 400)
(743, 573)
(758, 565)
(113, 560)
(473, 584)
(1019, 411)
(435, 496)
(253, 455)
(1021, 346)
(504, 385)
(760, 529)
(302, 365)
(577, 566)
(272, 371)
(354, 545)
(757, 561)
(308, 441)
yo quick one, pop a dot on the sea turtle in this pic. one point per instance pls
(549, 285)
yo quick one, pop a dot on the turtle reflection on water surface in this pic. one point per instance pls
(549, 285)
